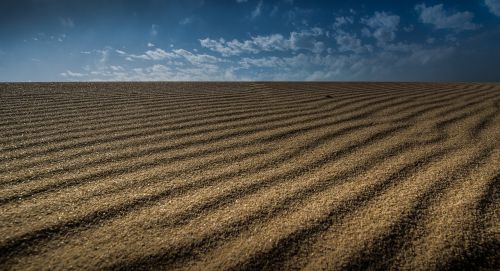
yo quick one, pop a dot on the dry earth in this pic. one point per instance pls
(211, 176)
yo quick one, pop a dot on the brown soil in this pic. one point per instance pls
(211, 176)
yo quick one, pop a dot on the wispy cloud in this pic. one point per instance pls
(343, 20)
(156, 54)
(298, 40)
(382, 26)
(349, 42)
(257, 11)
(69, 73)
(441, 19)
(159, 54)
(494, 6)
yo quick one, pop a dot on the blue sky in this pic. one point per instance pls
(122, 40)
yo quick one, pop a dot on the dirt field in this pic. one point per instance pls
(211, 176)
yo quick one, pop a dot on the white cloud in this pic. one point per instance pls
(305, 40)
(440, 19)
(116, 68)
(150, 44)
(304, 67)
(156, 54)
(177, 57)
(220, 46)
(257, 11)
(343, 20)
(159, 54)
(274, 42)
(131, 57)
(69, 73)
(197, 59)
(348, 42)
(160, 72)
(178, 64)
(494, 6)
(383, 27)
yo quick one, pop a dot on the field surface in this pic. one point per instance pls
(254, 176)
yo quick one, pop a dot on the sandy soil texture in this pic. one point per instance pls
(249, 176)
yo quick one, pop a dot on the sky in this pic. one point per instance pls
(249, 40)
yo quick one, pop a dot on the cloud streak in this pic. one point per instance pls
(257, 11)
(494, 6)
(442, 19)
